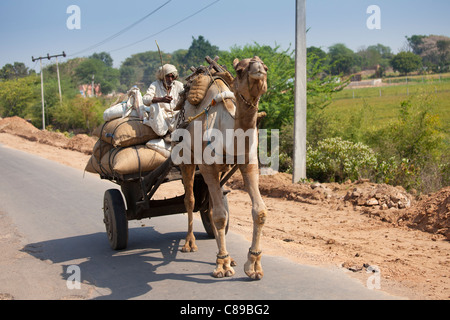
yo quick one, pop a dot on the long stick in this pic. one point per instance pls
(162, 64)
(160, 55)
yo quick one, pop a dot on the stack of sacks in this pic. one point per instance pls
(121, 148)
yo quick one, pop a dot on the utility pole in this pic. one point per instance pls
(299, 167)
(93, 90)
(57, 72)
(42, 92)
(42, 82)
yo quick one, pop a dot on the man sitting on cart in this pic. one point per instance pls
(162, 96)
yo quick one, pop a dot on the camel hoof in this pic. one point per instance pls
(188, 248)
(223, 267)
(217, 274)
(253, 268)
(223, 273)
(255, 275)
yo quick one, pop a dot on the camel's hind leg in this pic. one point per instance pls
(250, 174)
(188, 172)
(219, 219)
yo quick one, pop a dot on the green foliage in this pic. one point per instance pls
(278, 102)
(321, 88)
(383, 138)
(14, 71)
(337, 160)
(372, 56)
(79, 113)
(140, 69)
(434, 51)
(413, 143)
(199, 49)
(107, 76)
(415, 43)
(104, 57)
(406, 62)
(342, 59)
(18, 96)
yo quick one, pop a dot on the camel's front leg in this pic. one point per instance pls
(188, 172)
(219, 218)
(250, 174)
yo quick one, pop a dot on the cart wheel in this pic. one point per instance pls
(115, 219)
(206, 217)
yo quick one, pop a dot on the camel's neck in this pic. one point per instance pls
(246, 115)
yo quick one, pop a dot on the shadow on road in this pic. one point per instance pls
(128, 273)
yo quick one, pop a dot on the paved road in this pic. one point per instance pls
(58, 213)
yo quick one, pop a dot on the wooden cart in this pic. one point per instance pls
(138, 191)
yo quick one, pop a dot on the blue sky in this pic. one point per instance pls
(35, 28)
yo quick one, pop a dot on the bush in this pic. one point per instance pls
(79, 113)
(413, 148)
(337, 160)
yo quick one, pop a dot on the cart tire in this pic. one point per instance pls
(115, 219)
(206, 217)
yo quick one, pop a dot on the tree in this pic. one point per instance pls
(140, 69)
(369, 57)
(278, 101)
(17, 96)
(374, 55)
(384, 51)
(322, 85)
(79, 113)
(415, 43)
(107, 77)
(433, 49)
(406, 62)
(443, 47)
(103, 56)
(342, 59)
(316, 54)
(199, 49)
(15, 71)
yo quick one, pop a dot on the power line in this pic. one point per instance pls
(120, 32)
(165, 29)
(42, 81)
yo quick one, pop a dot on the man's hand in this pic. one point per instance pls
(166, 99)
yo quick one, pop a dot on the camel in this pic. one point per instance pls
(248, 86)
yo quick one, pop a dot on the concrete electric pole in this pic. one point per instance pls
(42, 81)
(299, 167)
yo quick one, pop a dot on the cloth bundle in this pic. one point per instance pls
(126, 145)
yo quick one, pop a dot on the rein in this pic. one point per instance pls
(253, 105)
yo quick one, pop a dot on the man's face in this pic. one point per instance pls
(169, 79)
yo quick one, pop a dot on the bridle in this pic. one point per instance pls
(253, 105)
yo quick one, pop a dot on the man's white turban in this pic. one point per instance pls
(165, 70)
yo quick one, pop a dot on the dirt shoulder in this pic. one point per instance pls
(354, 226)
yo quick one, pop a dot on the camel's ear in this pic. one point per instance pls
(237, 67)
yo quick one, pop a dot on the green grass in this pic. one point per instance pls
(384, 107)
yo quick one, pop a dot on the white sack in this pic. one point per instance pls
(160, 146)
(133, 107)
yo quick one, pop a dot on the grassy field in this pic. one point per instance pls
(380, 104)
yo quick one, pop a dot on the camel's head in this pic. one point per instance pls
(251, 79)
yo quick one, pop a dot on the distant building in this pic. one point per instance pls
(86, 90)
